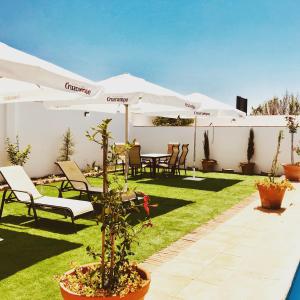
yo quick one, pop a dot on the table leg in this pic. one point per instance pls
(154, 166)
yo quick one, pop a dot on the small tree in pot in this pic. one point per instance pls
(113, 277)
(292, 170)
(272, 191)
(208, 164)
(248, 167)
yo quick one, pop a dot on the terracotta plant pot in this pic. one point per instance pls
(137, 295)
(291, 172)
(247, 168)
(271, 197)
(208, 165)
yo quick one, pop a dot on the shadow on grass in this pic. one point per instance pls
(207, 184)
(20, 250)
(55, 226)
(164, 206)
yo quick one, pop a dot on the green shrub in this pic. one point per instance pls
(16, 156)
(206, 145)
(67, 148)
(250, 149)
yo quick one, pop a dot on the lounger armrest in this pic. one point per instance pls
(85, 184)
(49, 185)
(18, 191)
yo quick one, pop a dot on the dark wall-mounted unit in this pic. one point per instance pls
(241, 104)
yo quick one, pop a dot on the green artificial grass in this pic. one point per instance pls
(30, 257)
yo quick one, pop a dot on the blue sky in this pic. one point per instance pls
(221, 48)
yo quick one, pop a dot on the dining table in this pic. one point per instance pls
(154, 158)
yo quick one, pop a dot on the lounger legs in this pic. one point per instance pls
(2, 204)
(30, 206)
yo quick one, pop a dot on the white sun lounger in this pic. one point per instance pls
(22, 189)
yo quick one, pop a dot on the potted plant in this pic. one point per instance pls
(272, 191)
(292, 170)
(208, 165)
(248, 167)
(113, 276)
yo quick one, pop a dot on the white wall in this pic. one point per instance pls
(228, 145)
(2, 134)
(43, 129)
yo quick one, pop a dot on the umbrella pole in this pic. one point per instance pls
(126, 141)
(194, 154)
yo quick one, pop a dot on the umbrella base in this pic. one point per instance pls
(194, 178)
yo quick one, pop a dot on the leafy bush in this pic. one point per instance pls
(16, 156)
(67, 148)
(162, 121)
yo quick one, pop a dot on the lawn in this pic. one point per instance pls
(30, 256)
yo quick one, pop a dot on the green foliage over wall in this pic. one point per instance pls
(162, 121)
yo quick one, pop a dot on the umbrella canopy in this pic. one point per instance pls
(206, 106)
(12, 91)
(129, 89)
(18, 65)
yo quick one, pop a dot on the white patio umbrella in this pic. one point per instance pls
(18, 65)
(14, 91)
(129, 91)
(206, 107)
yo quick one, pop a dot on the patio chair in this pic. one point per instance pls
(171, 165)
(76, 181)
(182, 158)
(135, 161)
(120, 152)
(169, 151)
(170, 147)
(21, 189)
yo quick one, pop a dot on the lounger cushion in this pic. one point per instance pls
(94, 189)
(78, 207)
(17, 179)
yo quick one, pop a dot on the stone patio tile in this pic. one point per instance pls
(228, 261)
(169, 284)
(243, 285)
(156, 294)
(179, 268)
(198, 289)
(239, 250)
(214, 276)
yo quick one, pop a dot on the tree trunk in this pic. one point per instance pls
(292, 148)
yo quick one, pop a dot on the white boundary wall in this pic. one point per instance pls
(228, 145)
(43, 129)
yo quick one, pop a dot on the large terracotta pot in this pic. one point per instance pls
(137, 295)
(292, 172)
(208, 165)
(271, 197)
(247, 168)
